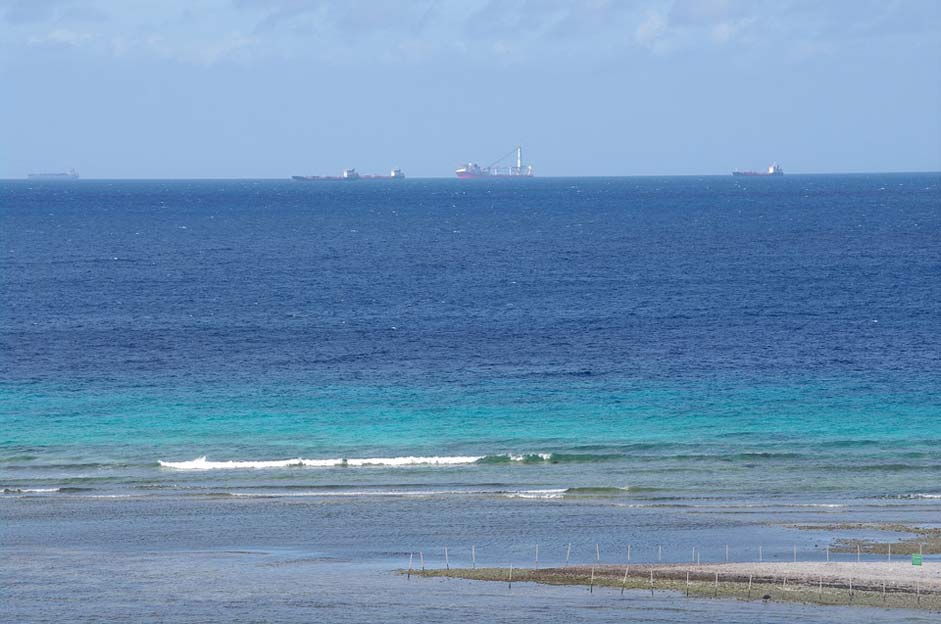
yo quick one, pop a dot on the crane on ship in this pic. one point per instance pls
(518, 150)
(472, 170)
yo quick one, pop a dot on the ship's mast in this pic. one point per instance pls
(519, 158)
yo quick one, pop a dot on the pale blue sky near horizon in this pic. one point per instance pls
(271, 88)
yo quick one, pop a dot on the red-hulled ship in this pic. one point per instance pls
(473, 170)
(774, 169)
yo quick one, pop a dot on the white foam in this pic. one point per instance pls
(540, 494)
(30, 490)
(542, 456)
(811, 505)
(202, 463)
(357, 493)
(932, 496)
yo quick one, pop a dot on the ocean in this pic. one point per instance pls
(254, 400)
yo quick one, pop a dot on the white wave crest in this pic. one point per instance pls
(357, 493)
(542, 456)
(540, 494)
(931, 496)
(202, 463)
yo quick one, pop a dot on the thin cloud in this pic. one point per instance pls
(557, 33)
(63, 36)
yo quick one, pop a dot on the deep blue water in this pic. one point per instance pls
(664, 360)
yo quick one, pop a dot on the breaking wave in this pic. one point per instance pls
(203, 463)
(578, 492)
(546, 458)
(607, 490)
(539, 494)
(54, 490)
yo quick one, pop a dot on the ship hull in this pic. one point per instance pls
(59, 177)
(347, 178)
(757, 174)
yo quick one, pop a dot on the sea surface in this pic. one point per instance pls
(254, 400)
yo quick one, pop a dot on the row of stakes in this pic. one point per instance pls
(696, 558)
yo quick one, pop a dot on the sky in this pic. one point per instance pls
(273, 88)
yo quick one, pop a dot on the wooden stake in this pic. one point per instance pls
(890, 552)
(687, 583)
(820, 586)
(828, 553)
(628, 553)
(851, 590)
(857, 553)
(749, 586)
(409, 577)
(716, 593)
(659, 552)
(726, 553)
(474, 556)
(568, 551)
(883, 591)
(795, 553)
(624, 582)
(510, 584)
(537, 555)
(651, 582)
(422, 558)
(784, 585)
(693, 560)
(598, 552)
(447, 563)
(591, 583)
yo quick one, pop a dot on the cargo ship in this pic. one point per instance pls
(71, 174)
(352, 174)
(774, 169)
(395, 174)
(494, 170)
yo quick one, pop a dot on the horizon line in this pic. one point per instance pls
(452, 177)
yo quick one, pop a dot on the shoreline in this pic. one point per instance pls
(869, 584)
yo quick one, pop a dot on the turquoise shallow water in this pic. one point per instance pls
(697, 437)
